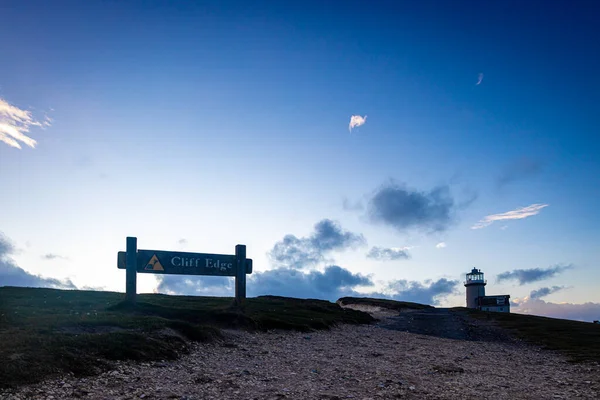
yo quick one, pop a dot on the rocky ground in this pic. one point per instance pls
(417, 355)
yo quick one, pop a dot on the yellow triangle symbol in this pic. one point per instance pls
(154, 265)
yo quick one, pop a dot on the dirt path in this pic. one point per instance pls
(350, 362)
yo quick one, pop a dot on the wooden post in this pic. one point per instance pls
(240, 274)
(131, 270)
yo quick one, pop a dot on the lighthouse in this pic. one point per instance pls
(476, 298)
(475, 285)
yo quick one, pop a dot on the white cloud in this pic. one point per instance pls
(479, 78)
(579, 312)
(440, 245)
(356, 121)
(15, 124)
(519, 213)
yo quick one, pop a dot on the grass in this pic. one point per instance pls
(579, 341)
(383, 303)
(48, 331)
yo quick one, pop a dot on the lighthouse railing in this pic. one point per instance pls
(484, 281)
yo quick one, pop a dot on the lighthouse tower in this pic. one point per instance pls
(475, 285)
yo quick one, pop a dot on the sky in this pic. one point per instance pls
(354, 148)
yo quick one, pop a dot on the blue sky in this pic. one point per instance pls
(199, 125)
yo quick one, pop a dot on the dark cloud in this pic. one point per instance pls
(301, 252)
(520, 169)
(13, 275)
(6, 247)
(402, 208)
(388, 254)
(430, 293)
(524, 276)
(330, 284)
(579, 312)
(51, 256)
(545, 291)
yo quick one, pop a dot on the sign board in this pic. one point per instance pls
(180, 263)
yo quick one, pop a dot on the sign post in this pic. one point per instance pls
(240, 276)
(130, 274)
(181, 263)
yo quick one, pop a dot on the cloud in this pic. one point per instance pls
(519, 213)
(545, 291)
(15, 124)
(479, 79)
(440, 245)
(579, 312)
(13, 275)
(51, 256)
(330, 284)
(350, 206)
(93, 288)
(401, 208)
(356, 121)
(195, 285)
(520, 169)
(301, 252)
(417, 292)
(524, 276)
(388, 254)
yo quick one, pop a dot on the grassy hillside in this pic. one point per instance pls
(47, 331)
(579, 341)
(383, 303)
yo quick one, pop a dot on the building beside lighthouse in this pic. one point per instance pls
(476, 298)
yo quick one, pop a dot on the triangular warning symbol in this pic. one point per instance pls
(154, 265)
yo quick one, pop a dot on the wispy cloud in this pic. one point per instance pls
(520, 169)
(348, 205)
(15, 124)
(356, 121)
(440, 245)
(479, 78)
(524, 276)
(51, 256)
(519, 213)
(389, 254)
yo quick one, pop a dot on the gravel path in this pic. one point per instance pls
(348, 362)
(444, 323)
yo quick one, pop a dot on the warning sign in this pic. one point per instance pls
(154, 264)
(182, 263)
